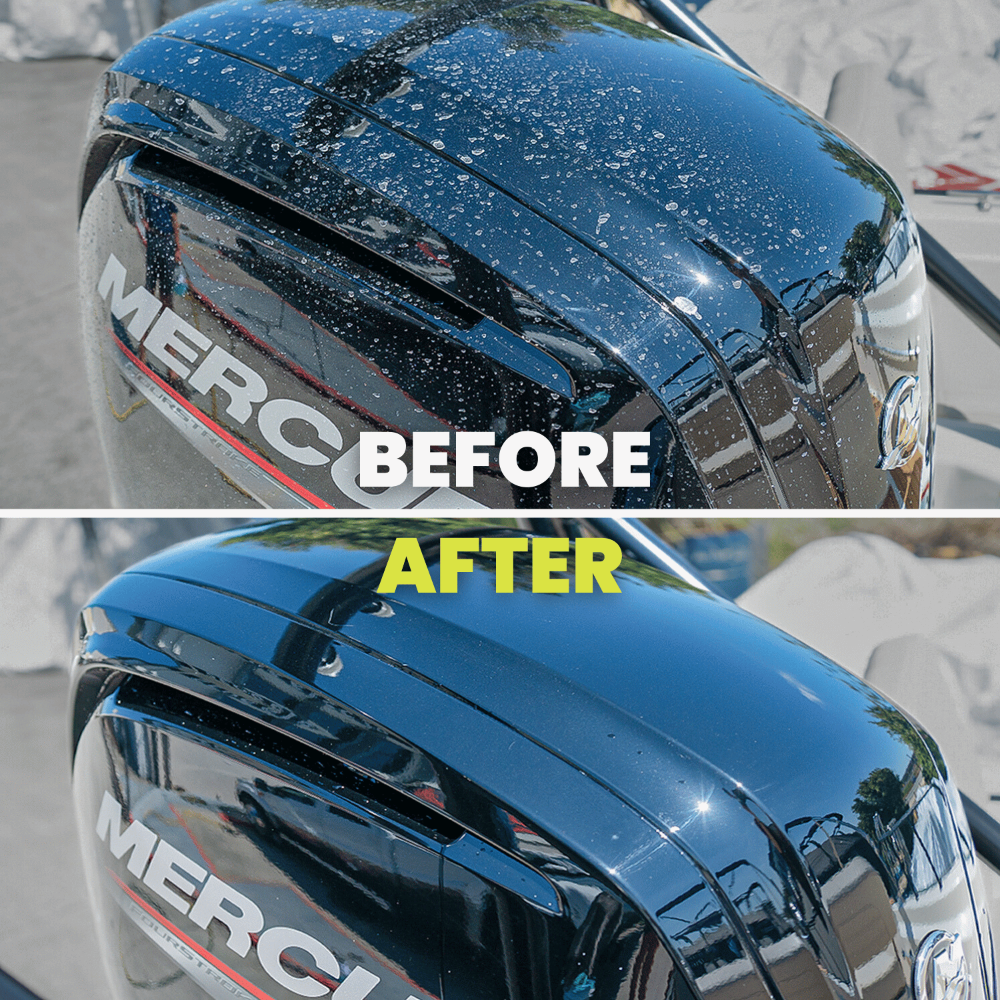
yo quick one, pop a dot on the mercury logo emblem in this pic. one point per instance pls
(899, 425)
(940, 971)
(163, 870)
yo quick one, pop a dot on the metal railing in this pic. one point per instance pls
(961, 286)
(985, 832)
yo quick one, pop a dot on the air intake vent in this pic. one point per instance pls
(277, 218)
(274, 747)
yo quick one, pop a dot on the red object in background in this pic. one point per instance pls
(951, 177)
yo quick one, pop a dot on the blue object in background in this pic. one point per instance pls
(726, 561)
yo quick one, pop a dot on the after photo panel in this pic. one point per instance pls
(554, 758)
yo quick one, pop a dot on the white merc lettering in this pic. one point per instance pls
(163, 869)
(375, 462)
(176, 342)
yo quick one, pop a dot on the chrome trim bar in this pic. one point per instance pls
(679, 21)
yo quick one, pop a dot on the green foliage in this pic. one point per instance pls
(925, 750)
(545, 23)
(860, 252)
(880, 795)
(855, 165)
(372, 533)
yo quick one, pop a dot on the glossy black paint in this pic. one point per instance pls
(502, 217)
(653, 782)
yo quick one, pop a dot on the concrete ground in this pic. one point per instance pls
(48, 568)
(49, 452)
(47, 937)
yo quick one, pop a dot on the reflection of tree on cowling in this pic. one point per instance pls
(925, 750)
(542, 24)
(375, 534)
(926, 754)
(860, 252)
(852, 163)
(882, 799)
(880, 796)
(869, 239)
(381, 68)
(861, 169)
(849, 161)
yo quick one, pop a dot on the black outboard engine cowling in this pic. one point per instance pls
(305, 221)
(289, 785)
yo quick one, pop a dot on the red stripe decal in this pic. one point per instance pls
(271, 470)
(207, 955)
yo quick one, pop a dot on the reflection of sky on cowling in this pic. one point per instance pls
(761, 707)
(764, 709)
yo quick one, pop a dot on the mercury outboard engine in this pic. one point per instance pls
(303, 222)
(291, 784)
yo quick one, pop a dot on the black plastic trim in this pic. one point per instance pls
(105, 150)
